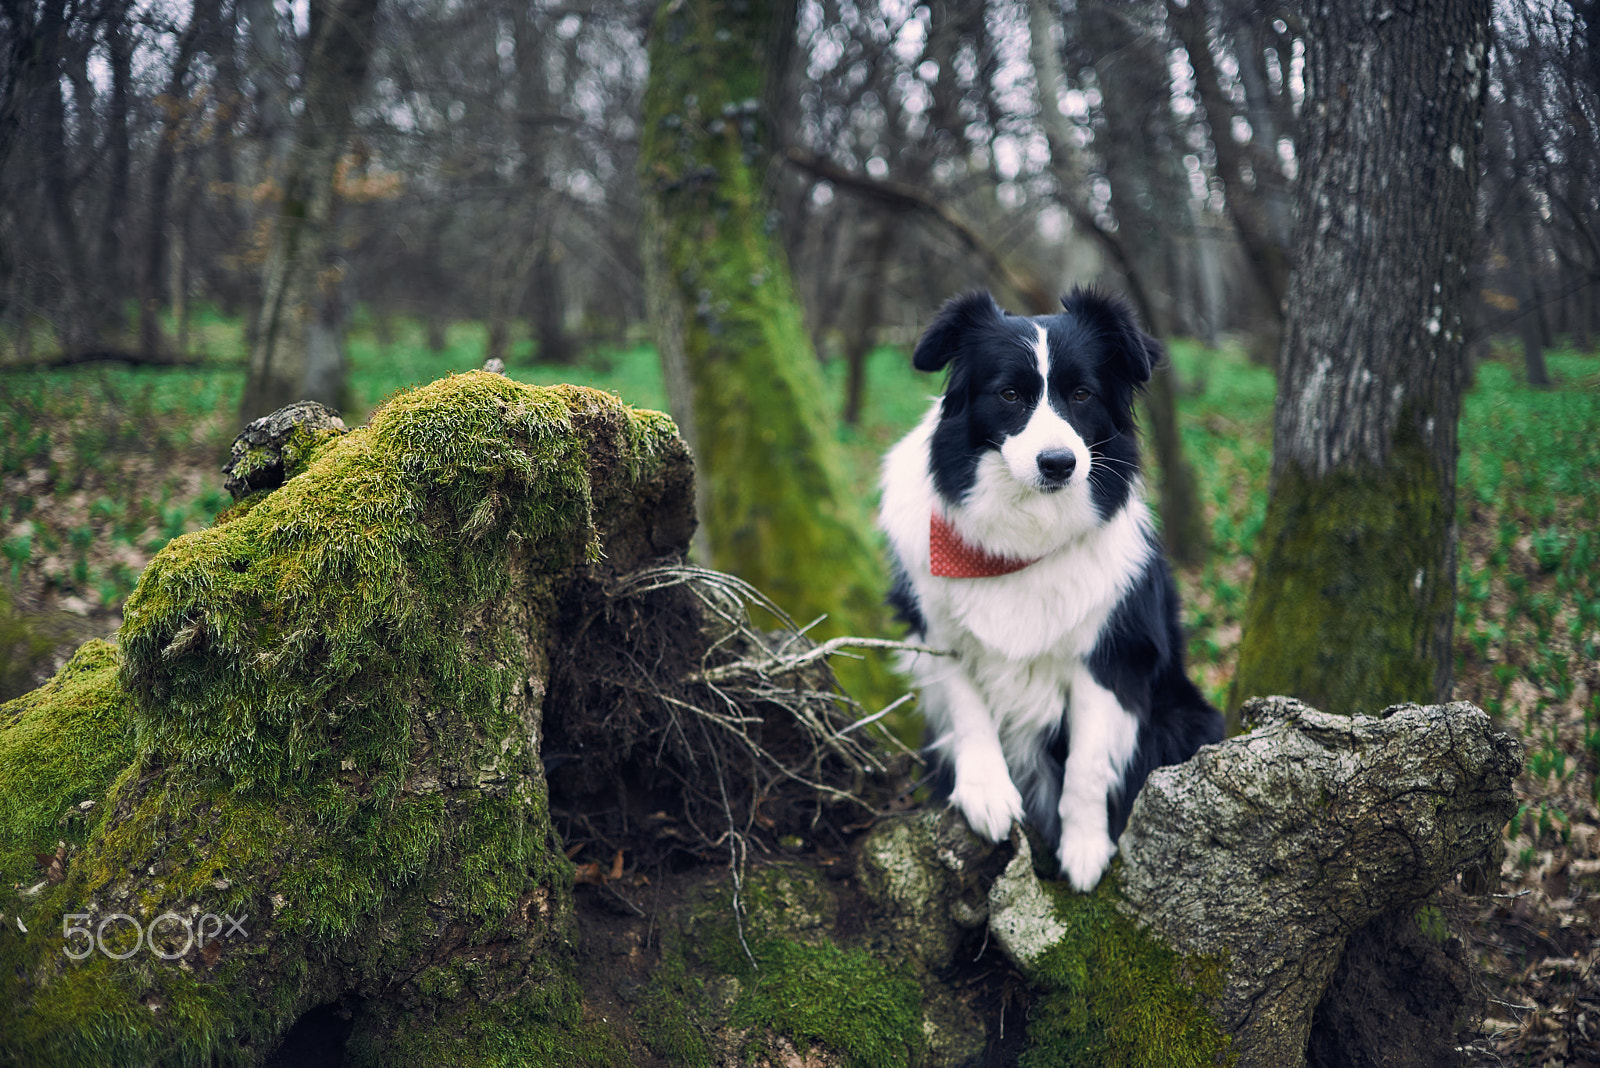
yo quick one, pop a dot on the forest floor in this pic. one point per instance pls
(101, 465)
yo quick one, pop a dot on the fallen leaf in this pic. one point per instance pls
(54, 865)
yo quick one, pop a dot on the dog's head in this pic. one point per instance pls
(1037, 408)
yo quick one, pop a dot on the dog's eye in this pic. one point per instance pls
(1080, 395)
(1009, 395)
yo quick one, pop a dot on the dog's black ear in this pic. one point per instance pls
(1136, 352)
(960, 316)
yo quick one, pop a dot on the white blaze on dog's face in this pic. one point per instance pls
(1048, 454)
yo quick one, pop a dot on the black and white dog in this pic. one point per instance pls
(1021, 542)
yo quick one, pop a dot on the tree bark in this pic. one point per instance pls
(44, 51)
(554, 344)
(1520, 242)
(299, 349)
(1182, 522)
(155, 282)
(868, 309)
(1342, 821)
(741, 373)
(119, 156)
(1263, 250)
(1353, 598)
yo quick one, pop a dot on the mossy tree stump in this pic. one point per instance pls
(1249, 880)
(322, 730)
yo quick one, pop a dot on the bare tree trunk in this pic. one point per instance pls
(298, 352)
(1594, 315)
(39, 93)
(1268, 261)
(498, 337)
(436, 328)
(1520, 251)
(178, 264)
(869, 308)
(154, 281)
(234, 206)
(1182, 524)
(1587, 316)
(549, 308)
(119, 155)
(1354, 595)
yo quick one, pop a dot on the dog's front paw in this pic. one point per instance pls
(988, 799)
(1084, 856)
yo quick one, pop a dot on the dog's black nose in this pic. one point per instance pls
(1056, 465)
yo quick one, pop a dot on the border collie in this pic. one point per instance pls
(1021, 543)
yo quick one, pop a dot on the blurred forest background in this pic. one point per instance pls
(195, 194)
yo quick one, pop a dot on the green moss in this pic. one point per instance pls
(542, 1027)
(1352, 601)
(252, 462)
(303, 442)
(60, 745)
(1432, 923)
(325, 717)
(845, 999)
(671, 1008)
(263, 468)
(1113, 996)
(802, 985)
(104, 1013)
(291, 641)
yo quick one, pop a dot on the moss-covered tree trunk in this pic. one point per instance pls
(299, 351)
(744, 381)
(1354, 593)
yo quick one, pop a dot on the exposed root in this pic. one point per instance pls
(675, 725)
(740, 737)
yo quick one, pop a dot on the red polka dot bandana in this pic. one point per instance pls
(950, 557)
